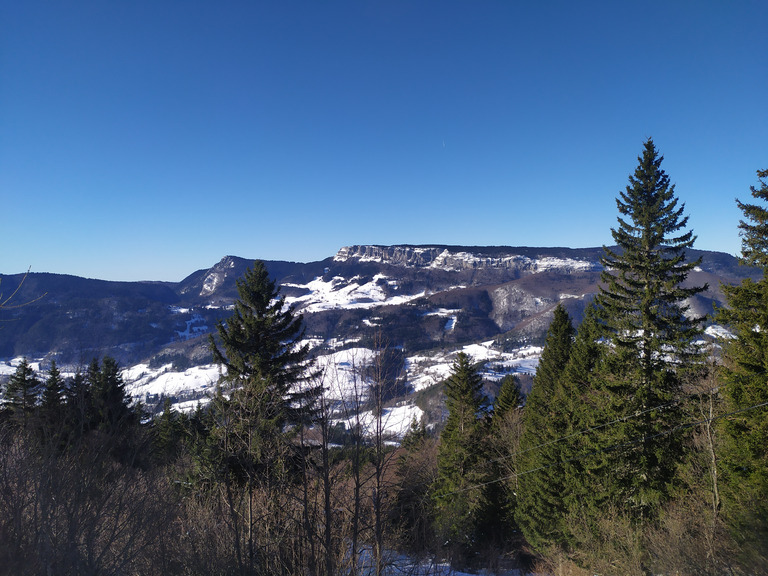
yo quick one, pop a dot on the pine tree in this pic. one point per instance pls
(110, 404)
(540, 511)
(508, 398)
(261, 352)
(503, 444)
(744, 454)
(578, 397)
(643, 311)
(53, 393)
(21, 393)
(458, 494)
(267, 374)
(52, 414)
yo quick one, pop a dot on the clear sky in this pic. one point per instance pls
(145, 140)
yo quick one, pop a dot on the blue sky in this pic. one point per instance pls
(145, 140)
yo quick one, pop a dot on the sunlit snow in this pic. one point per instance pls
(142, 380)
(342, 293)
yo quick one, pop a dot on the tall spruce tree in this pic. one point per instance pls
(539, 511)
(745, 374)
(643, 310)
(266, 372)
(503, 443)
(462, 467)
(577, 397)
(261, 352)
(53, 393)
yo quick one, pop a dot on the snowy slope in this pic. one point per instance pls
(341, 378)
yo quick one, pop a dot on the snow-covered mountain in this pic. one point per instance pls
(425, 301)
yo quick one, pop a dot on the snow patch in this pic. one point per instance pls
(340, 293)
(395, 422)
(717, 331)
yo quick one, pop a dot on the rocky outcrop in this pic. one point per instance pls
(460, 260)
(409, 256)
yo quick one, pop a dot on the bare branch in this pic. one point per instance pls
(5, 303)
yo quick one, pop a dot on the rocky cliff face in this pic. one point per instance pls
(409, 256)
(461, 259)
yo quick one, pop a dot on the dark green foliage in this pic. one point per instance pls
(459, 494)
(415, 435)
(642, 305)
(503, 444)
(52, 400)
(21, 393)
(267, 373)
(539, 510)
(260, 353)
(109, 403)
(744, 454)
(249, 446)
(642, 298)
(578, 397)
(168, 433)
(77, 411)
(509, 397)
(52, 414)
(754, 230)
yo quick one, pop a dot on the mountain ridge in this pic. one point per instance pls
(411, 292)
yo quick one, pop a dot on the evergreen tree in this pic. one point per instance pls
(52, 403)
(21, 393)
(415, 435)
(539, 511)
(261, 352)
(508, 398)
(167, 432)
(643, 311)
(77, 408)
(744, 454)
(578, 398)
(503, 444)
(462, 468)
(110, 404)
(266, 370)
(53, 392)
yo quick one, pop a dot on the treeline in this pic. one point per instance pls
(640, 449)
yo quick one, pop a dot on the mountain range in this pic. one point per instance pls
(422, 300)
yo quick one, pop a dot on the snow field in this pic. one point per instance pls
(342, 293)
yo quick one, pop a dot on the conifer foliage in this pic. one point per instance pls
(745, 457)
(508, 398)
(21, 393)
(264, 366)
(459, 498)
(643, 296)
(266, 375)
(539, 510)
(644, 314)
